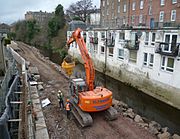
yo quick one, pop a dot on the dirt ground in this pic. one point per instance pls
(59, 127)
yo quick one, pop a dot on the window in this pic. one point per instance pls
(167, 64)
(161, 16)
(111, 51)
(107, 2)
(141, 4)
(132, 19)
(174, 1)
(151, 60)
(147, 38)
(102, 35)
(118, 8)
(119, 0)
(112, 15)
(153, 38)
(121, 35)
(102, 49)
(112, 5)
(121, 53)
(173, 15)
(162, 2)
(140, 18)
(95, 48)
(132, 56)
(124, 20)
(148, 60)
(124, 8)
(107, 12)
(145, 59)
(103, 3)
(150, 10)
(171, 42)
(134, 6)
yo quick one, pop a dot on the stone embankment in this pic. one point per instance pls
(152, 126)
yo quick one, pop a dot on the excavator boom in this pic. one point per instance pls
(88, 64)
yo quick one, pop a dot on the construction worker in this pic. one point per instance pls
(68, 108)
(60, 99)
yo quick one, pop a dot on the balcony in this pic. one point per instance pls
(167, 49)
(110, 42)
(94, 40)
(131, 45)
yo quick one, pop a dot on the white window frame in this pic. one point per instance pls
(112, 15)
(141, 4)
(119, 0)
(121, 57)
(140, 18)
(161, 16)
(107, 2)
(103, 3)
(151, 63)
(112, 5)
(147, 62)
(153, 42)
(134, 5)
(95, 48)
(164, 66)
(162, 2)
(119, 9)
(170, 41)
(132, 19)
(146, 42)
(121, 32)
(174, 1)
(101, 50)
(173, 15)
(124, 8)
(150, 10)
(107, 12)
(110, 54)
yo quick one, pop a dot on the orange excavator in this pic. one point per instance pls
(83, 96)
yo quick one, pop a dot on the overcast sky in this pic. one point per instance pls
(14, 10)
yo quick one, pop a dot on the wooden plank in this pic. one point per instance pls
(18, 92)
(16, 102)
(15, 120)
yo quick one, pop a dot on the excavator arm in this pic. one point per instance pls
(88, 64)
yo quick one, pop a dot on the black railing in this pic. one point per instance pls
(168, 49)
(94, 40)
(131, 46)
(110, 42)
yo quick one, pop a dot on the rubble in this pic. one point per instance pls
(138, 119)
(165, 135)
(175, 136)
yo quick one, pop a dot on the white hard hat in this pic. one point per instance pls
(59, 91)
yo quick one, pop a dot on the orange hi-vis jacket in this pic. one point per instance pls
(68, 107)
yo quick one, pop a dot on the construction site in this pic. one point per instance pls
(83, 72)
(32, 109)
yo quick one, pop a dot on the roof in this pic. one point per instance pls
(76, 24)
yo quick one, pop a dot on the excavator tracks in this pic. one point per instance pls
(83, 118)
(111, 113)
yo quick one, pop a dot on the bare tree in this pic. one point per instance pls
(80, 10)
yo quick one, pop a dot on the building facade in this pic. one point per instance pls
(147, 59)
(133, 13)
(40, 17)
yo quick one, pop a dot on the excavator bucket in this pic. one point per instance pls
(68, 65)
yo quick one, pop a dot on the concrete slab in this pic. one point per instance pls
(34, 70)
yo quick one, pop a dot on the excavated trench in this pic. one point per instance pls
(143, 104)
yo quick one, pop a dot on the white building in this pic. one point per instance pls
(146, 59)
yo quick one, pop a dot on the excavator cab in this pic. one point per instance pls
(77, 86)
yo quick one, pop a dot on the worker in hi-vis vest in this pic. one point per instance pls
(68, 108)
